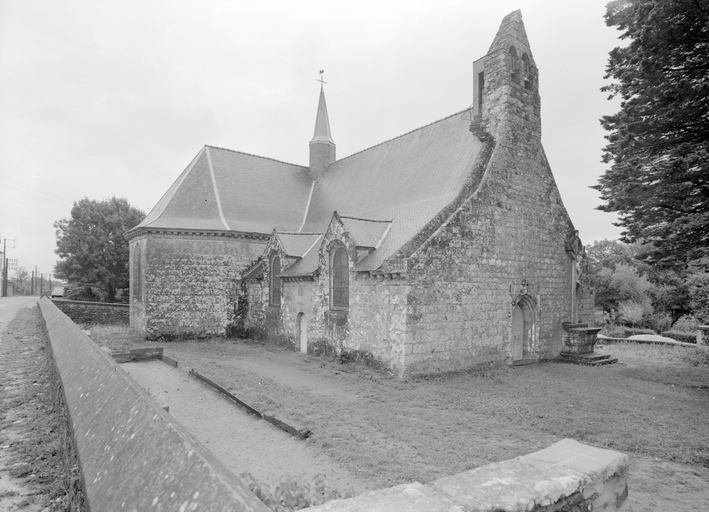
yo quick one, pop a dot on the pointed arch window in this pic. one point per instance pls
(274, 285)
(526, 72)
(340, 278)
(135, 277)
(514, 65)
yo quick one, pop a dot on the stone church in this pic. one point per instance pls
(443, 248)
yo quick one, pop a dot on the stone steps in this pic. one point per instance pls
(591, 359)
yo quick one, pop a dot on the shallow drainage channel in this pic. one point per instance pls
(243, 442)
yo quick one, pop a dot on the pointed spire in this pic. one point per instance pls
(322, 122)
(322, 147)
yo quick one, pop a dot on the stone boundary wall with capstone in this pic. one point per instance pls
(133, 456)
(92, 313)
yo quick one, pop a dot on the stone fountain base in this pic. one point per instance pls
(579, 340)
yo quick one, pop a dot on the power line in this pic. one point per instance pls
(34, 192)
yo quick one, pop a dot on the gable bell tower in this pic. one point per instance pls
(506, 81)
(322, 147)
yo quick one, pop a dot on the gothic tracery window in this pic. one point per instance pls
(340, 278)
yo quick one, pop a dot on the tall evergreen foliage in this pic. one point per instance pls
(92, 247)
(658, 145)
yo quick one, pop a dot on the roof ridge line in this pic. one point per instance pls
(216, 188)
(404, 134)
(296, 233)
(364, 218)
(256, 156)
(312, 245)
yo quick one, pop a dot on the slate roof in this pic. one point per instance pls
(385, 194)
(299, 244)
(255, 194)
(407, 180)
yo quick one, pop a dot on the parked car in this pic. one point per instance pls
(58, 291)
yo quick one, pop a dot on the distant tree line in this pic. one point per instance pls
(630, 290)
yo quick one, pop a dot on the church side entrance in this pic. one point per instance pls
(522, 323)
(301, 327)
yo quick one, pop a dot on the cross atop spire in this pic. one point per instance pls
(322, 123)
(322, 147)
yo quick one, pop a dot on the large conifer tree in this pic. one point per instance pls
(658, 146)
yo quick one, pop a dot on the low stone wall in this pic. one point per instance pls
(567, 476)
(93, 313)
(132, 455)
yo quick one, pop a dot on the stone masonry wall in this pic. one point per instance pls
(506, 242)
(189, 284)
(470, 272)
(93, 312)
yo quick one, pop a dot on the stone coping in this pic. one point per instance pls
(89, 303)
(132, 455)
(591, 478)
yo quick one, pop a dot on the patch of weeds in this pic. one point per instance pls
(362, 357)
(696, 356)
(320, 347)
(293, 493)
(119, 338)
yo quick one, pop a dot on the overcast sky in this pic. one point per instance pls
(115, 98)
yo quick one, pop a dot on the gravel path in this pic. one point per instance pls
(243, 442)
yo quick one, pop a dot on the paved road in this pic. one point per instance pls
(9, 306)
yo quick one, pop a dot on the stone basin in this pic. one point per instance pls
(579, 338)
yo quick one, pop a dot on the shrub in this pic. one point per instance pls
(659, 322)
(613, 331)
(686, 323)
(628, 331)
(631, 311)
(293, 493)
(686, 337)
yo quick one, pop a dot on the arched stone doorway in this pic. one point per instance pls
(522, 330)
(301, 327)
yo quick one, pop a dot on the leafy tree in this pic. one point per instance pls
(615, 274)
(92, 247)
(698, 284)
(21, 279)
(658, 145)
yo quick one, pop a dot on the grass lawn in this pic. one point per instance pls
(654, 402)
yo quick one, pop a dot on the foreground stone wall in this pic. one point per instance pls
(567, 476)
(187, 282)
(133, 456)
(93, 312)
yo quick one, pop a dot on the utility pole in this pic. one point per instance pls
(4, 262)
